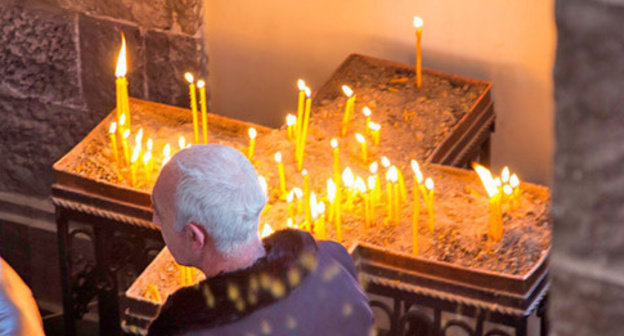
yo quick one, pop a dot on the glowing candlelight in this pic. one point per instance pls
(320, 223)
(496, 227)
(113, 137)
(302, 86)
(348, 107)
(204, 110)
(505, 175)
(189, 78)
(121, 84)
(291, 121)
(385, 162)
(367, 113)
(389, 202)
(299, 194)
(147, 157)
(263, 185)
(418, 177)
(334, 145)
(124, 145)
(252, 142)
(372, 186)
(377, 191)
(133, 167)
(267, 230)
(182, 142)
(306, 197)
(122, 123)
(334, 198)
(429, 186)
(360, 186)
(418, 24)
(374, 129)
(394, 175)
(348, 180)
(166, 154)
(331, 196)
(280, 170)
(311, 225)
(290, 207)
(304, 132)
(360, 138)
(514, 183)
(138, 138)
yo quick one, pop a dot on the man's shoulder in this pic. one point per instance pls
(339, 253)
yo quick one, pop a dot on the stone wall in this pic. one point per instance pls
(57, 73)
(588, 197)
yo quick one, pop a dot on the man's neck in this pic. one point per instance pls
(243, 258)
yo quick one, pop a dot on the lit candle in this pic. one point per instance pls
(429, 186)
(348, 107)
(121, 84)
(252, 143)
(374, 129)
(138, 140)
(416, 216)
(166, 154)
(124, 145)
(334, 197)
(514, 182)
(360, 186)
(147, 156)
(133, 167)
(331, 196)
(320, 223)
(348, 180)
(385, 162)
(202, 102)
(193, 96)
(360, 138)
(150, 161)
(267, 230)
(367, 113)
(505, 175)
(495, 227)
(182, 142)
(113, 137)
(311, 225)
(299, 194)
(335, 150)
(418, 24)
(372, 186)
(263, 185)
(395, 195)
(122, 123)
(291, 121)
(306, 196)
(377, 192)
(280, 170)
(290, 207)
(304, 132)
(302, 94)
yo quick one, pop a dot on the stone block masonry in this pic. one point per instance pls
(57, 73)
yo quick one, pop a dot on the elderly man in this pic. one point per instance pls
(207, 202)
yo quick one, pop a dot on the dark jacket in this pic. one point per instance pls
(300, 287)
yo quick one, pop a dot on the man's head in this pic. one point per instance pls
(207, 196)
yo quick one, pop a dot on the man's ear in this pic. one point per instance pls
(196, 235)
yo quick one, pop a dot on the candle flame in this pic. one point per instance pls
(505, 175)
(289, 222)
(263, 184)
(429, 183)
(486, 178)
(304, 172)
(135, 153)
(301, 84)
(320, 208)
(252, 133)
(514, 182)
(392, 174)
(139, 136)
(374, 126)
(360, 185)
(267, 230)
(331, 190)
(347, 91)
(373, 167)
(126, 134)
(290, 197)
(150, 144)
(298, 192)
(122, 120)
(291, 119)
(308, 92)
(122, 68)
(313, 205)
(347, 177)
(189, 77)
(507, 189)
(417, 172)
(385, 162)
(182, 142)
(497, 182)
(167, 150)
(360, 138)
(418, 22)
(334, 143)
(367, 112)
(146, 157)
(371, 182)
(201, 83)
(278, 157)
(113, 128)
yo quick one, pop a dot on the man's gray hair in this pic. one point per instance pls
(218, 188)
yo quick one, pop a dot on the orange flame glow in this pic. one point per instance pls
(486, 178)
(122, 68)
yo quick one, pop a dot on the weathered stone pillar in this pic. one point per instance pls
(588, 240)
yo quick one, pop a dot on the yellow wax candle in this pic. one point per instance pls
(495, 227)
(429, 186)
(514, 182)
(280, 170)
(335, 150)
(304, 132)
(124, 145)
(306, 196)
(418, 24)
(113, 137)
(415, 217)
(133, 164)
(331, 196)
(299, 125)
(367, 114)
(320, 209)
(204, 110)
(252, 143)
(311, 206)
(299, 194)
(402, 185)
(147, 156)
(372, 186)
(166, 154)
(360, 138)
(192, 94)
(122, 125)
(393, 178)
(348, 180)
(389, 207)
(291, 121)
(361, 187)
(290, 207)
(349, 105)
(377, 192)
(337, 217)
(122, 84)
(375, 130)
